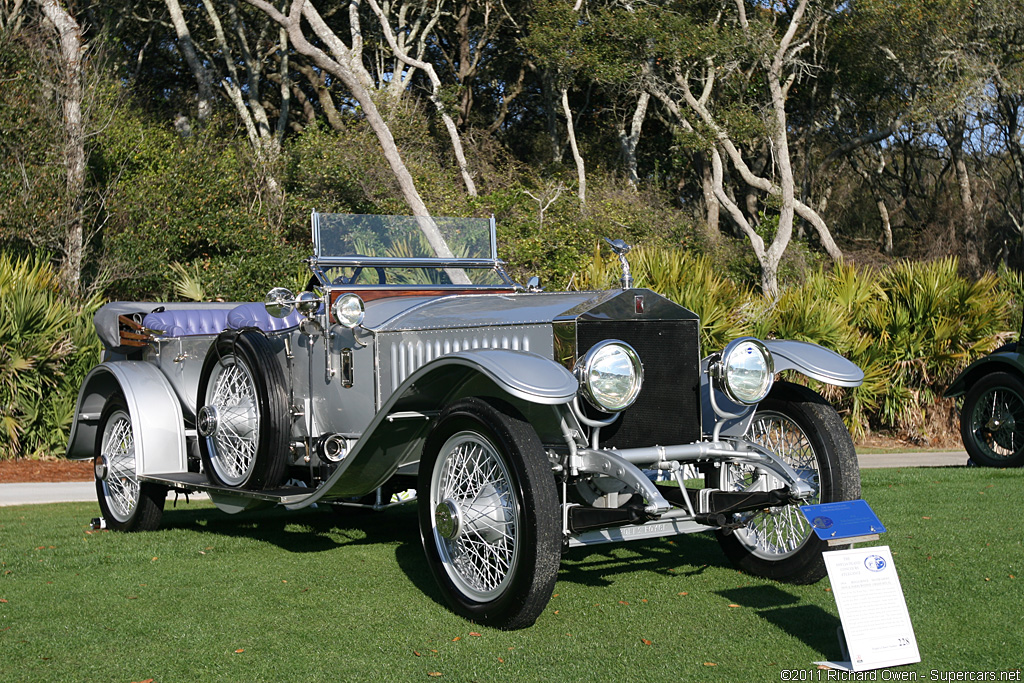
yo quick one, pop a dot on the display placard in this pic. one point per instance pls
(876, 624)
(845, 519)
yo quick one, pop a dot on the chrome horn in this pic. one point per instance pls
(280, 302)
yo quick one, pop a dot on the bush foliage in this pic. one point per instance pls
(47, 345)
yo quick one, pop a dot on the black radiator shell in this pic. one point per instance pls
(667, 411)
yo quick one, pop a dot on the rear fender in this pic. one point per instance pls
(157, 422)
(535, 385)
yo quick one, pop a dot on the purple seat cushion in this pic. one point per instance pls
(189, 321)
(255, 315)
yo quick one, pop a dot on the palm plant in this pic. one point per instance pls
(187, 283)
(927, 325)
(46, 347)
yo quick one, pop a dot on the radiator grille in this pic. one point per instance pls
(668, 408)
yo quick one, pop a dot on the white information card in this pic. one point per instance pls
(873, 612)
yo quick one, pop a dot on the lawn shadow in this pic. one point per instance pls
(314, 530)
(413, 563)
(808, 623)
(686, 555)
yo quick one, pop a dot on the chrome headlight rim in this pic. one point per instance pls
(588, 363)
(726, 371)
(348, 310)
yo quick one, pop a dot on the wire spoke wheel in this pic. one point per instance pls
(779, 531)
(243, 419)
(127, 504)
(998, 422)
(232, 393)
(472, 485)
(992, 421)
(488, 514)
(802, 429)
(121, 487)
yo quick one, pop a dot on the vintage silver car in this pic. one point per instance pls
(527, 422)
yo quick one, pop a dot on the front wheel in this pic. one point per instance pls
(992, 421)
(127, 504)
(803, 429)
(488, 514)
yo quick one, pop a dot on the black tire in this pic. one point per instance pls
(799, 425)
(489, 514)
(243, 420)
(126, 503)
(992, 421)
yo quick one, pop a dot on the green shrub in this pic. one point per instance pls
(928, 325)
(190, 200)
(47, 345)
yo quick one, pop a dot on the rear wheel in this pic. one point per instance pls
(243, 419)
(127, 504)
(488, 513)
(992, 421)
(799, 426)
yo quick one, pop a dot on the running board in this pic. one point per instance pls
(654, 529)
(195, 481)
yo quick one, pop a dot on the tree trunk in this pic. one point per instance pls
(712, 212)
(954, 136)
(551, 113)
(435, 97)
(188, 51)
(581, 173)
(72, 52)
(629, 141)
(883, 214)
(346, 66)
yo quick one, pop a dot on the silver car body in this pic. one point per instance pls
(362, 398)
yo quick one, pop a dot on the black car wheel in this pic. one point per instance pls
(488, 514)
(126, 503)
(243, 418)
(802, 428)
(992, 421)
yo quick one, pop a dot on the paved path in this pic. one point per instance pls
(75, 491)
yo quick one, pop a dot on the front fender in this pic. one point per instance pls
(814, 361)
(157, 422)
(396, 434)
(1011, 362)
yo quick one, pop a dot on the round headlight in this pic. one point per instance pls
(747, 371)
(610, 376)
(348, 310)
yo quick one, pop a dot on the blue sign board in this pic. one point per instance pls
(844, 519)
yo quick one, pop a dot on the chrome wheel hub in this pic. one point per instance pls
(207, 420)
(99, 466)
(448, 519)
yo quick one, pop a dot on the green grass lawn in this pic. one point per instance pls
(278, 596)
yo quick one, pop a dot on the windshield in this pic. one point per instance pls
(402, 237)
(404, 250)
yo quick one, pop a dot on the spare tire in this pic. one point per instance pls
(243, 413)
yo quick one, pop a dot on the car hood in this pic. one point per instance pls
(522, 308)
